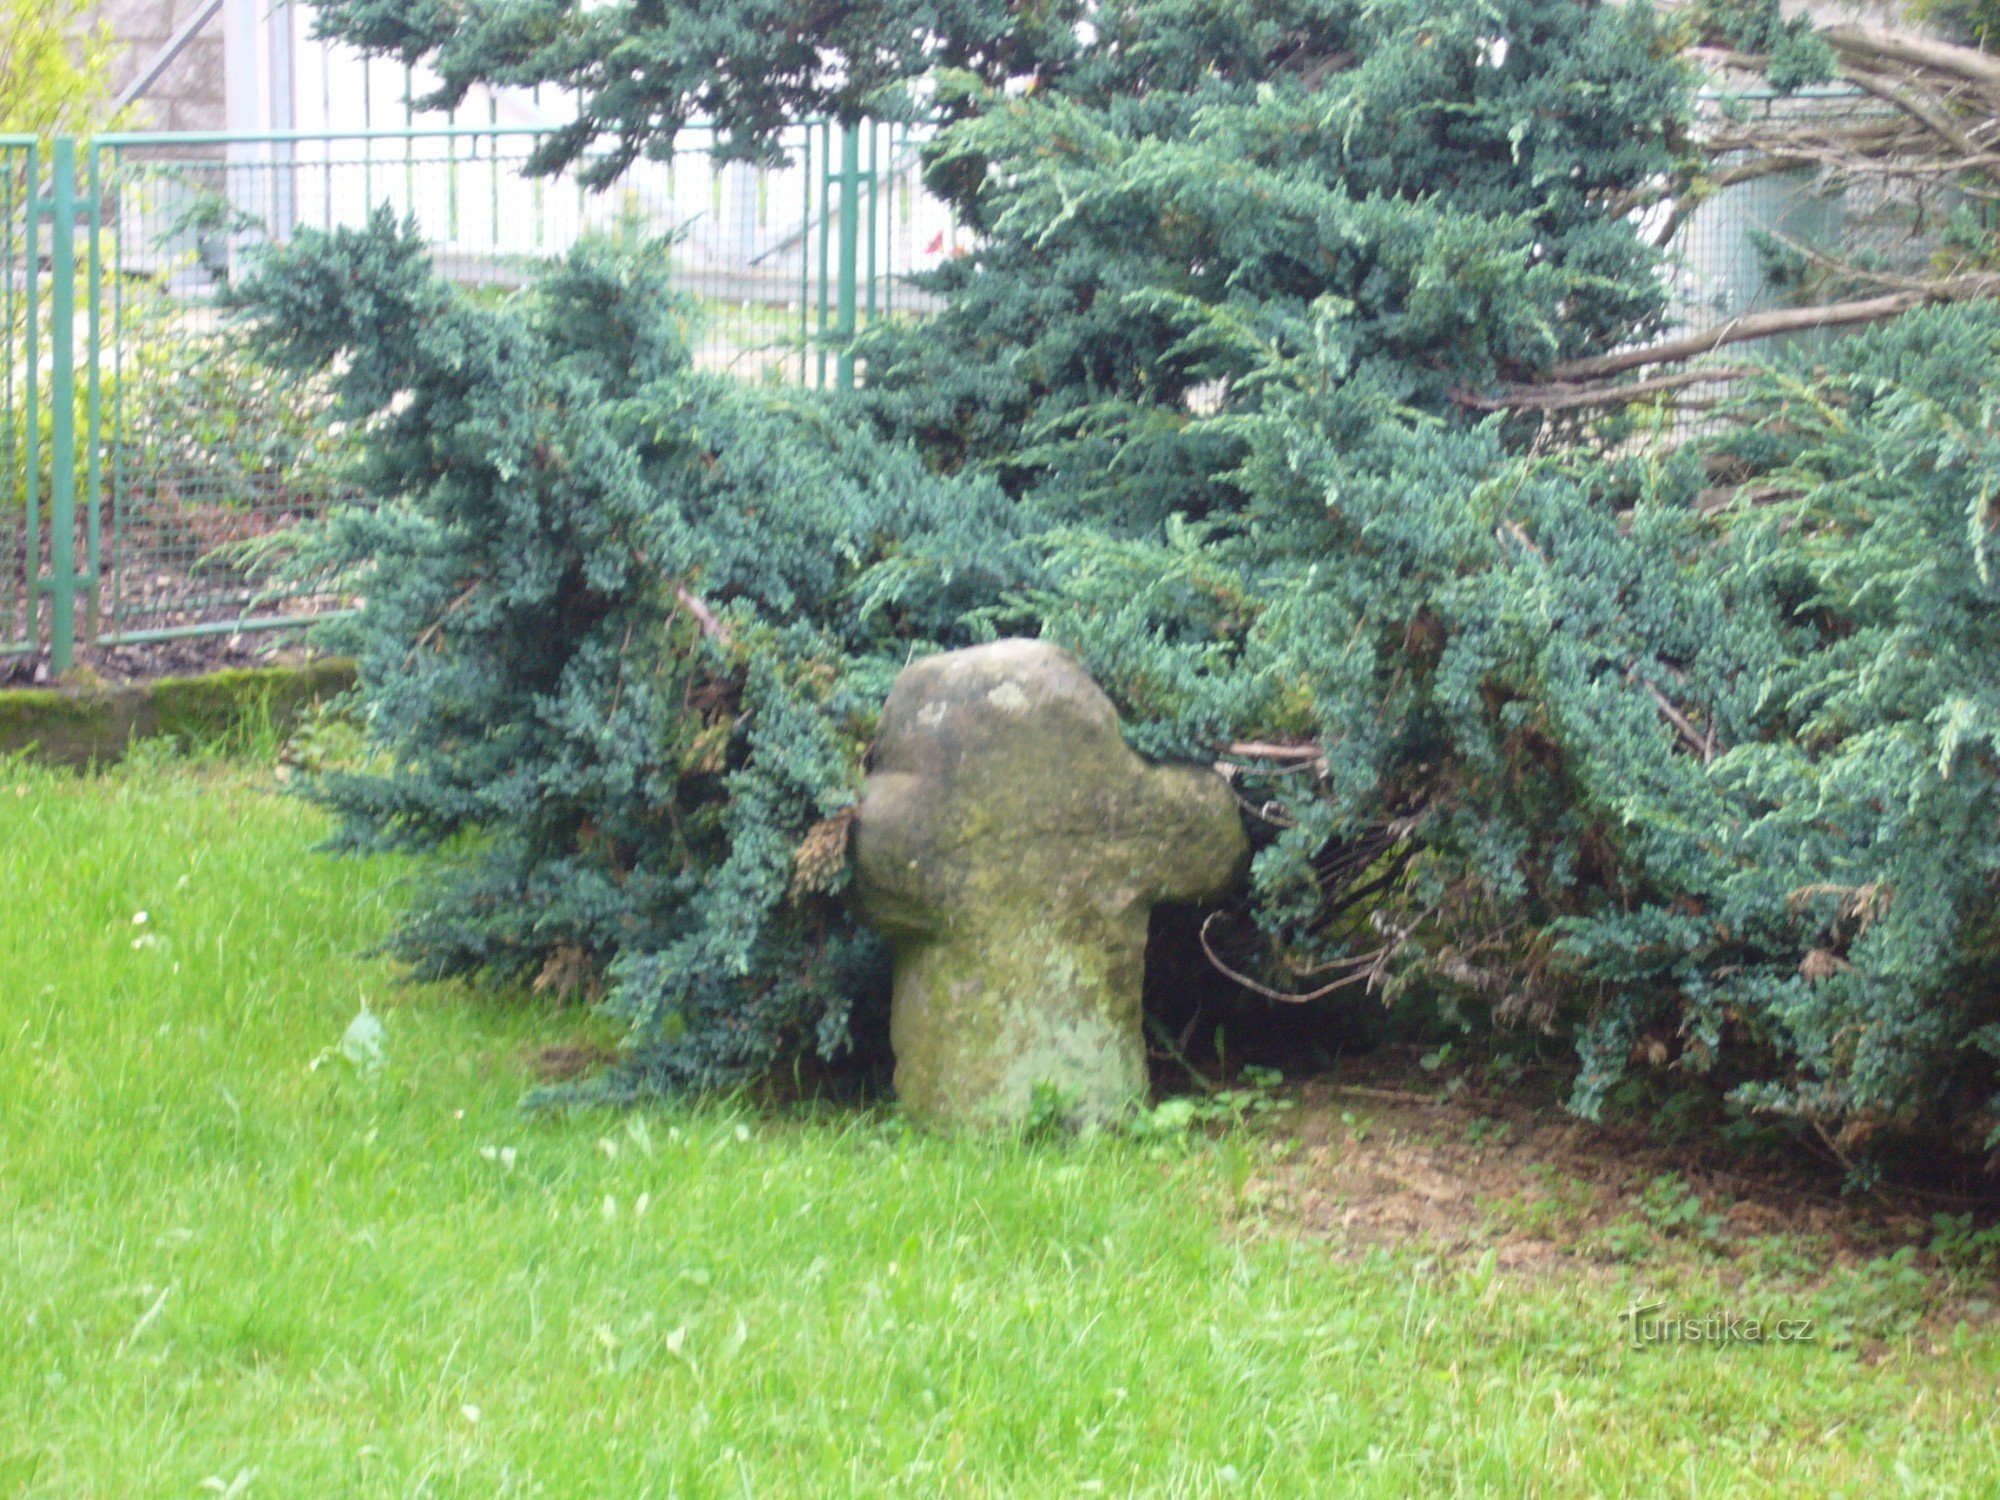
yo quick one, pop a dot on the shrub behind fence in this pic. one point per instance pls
(154, 467)
(191, 462)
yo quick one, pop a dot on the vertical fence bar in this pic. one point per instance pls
(368, 123)
(889, 224)
(409, 143)
(110, 583)
(94, 398)
(451, 232)
(493, 119)
(805, 253)
(9, 440)
(850, 247)
(32, 471)
(62, 406)
(874, 205)
(825, 241)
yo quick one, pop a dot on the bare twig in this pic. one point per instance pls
(1777, 320)
(1263, 811)
(1515, 530)
(1375, 963)
(1269, 750)
(704, 617)
(1390, 1096)
(1556, 397)
(434, 631)
(1704, 745)
(1176, 1053)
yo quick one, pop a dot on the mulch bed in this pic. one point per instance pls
(195, 656)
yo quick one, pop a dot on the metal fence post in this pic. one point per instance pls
(825, 236)
(850, 251)
(93, 430)
(805, 255)
(62, 580)
(32, 457)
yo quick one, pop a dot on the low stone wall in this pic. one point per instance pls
(87, 726)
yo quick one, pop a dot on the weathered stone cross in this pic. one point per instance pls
(1011, 846)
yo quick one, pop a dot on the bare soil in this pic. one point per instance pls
(1379, 1153)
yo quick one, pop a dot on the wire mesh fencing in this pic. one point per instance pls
(190, 466)
(1741, 251)
(196, 464)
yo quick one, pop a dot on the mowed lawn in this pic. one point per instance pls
(233, 1262)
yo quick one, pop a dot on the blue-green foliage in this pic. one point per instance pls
(627, 627)
(1687, 756)
(639, 70)
(1697, 768)
(1428, 189)
(1580, 765)
(1866, 816)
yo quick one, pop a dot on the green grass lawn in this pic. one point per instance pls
(232, 1262)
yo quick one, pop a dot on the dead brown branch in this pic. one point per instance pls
(1702, 744)
(1940, 129)
(1515, 530)
(1920, 104)
(1390, 1096)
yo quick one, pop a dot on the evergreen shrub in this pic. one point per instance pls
(1684, 754)
(627, 628)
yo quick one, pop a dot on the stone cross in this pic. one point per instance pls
(1011, 846)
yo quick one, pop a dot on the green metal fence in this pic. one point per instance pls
(39, 526)
(156, 468)
(20, 531)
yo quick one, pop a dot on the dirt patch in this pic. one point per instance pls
(1380, 1154)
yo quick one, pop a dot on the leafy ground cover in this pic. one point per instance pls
(251, 1244)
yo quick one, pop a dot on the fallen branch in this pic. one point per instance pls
(1779, 320)
(1270, 750)
(1968, 63)
(1938, 125)
(1750, 326)
(1919, 105)
(1573, 397)
(1877, 45)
